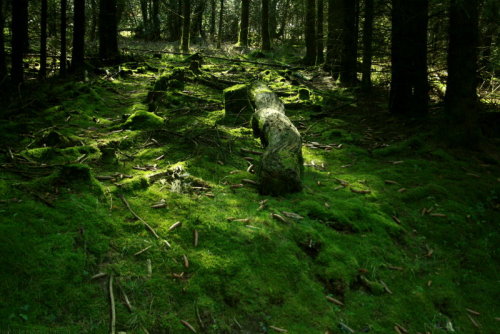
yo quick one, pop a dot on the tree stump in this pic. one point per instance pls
(281, 166)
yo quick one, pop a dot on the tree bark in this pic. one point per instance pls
(310, 32)
(367, 46)
(266, 38)
(43, 39)
(3, 64)
(461, 89)
(219, 31)
(186, 24)
(334, 38)
(108, 32)
(19, 35)
(212, 19)
(281, 166)
(63, 56)
(348, 63)
(409, 86)
(78, 53)
(155, 20)
(244, 15)
(320, 45)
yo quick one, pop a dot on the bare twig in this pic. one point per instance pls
(139, 218)
(112, 328)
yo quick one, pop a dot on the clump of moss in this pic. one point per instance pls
(143, 120)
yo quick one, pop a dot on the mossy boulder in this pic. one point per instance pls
(143, 120)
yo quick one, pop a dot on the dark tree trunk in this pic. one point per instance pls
(319, 31)
(145, 19)
(409, 86)
(94, 20)
(273, 22)
(3, 63)
(155, 20)
(219, 32)
(334, 39)
(186, 24)
(108, 34)
(43, 39)
(245, 12)
(212, 19)
(197, 21)
(349, 55)
(78, 54)
(19, 35)
(63, 56)
(266, 40)
(461, 88)
(310, 32)
(367, 45)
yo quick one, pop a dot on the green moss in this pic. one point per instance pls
(143, 120)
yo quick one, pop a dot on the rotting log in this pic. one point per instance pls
(281, 166)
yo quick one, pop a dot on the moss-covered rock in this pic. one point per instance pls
(143, 120)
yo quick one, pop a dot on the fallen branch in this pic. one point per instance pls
(124, 200)
(112, 327)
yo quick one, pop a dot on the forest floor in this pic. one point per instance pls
(393, 232)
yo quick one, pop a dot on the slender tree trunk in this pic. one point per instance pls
(78, 53)
(334, 39)
(3, 63)
(245, 12)
(349, 60)
(43, 40)
(310, 32)
(145, 18)
(266, 40)
(409, 86)
(155, 20)
(219, 32)
(94, 20)
(108, 33)
(273, 20)
(319, 31)
(19, 34)
(367, 46)
(212, 19)
(63, 56)
(461, 88)
(186, 24)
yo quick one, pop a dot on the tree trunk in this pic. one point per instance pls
(461, 88)
(212, 19)
(219, 31)
(186, 24)
(281, 166)
(273, 22)
(94, 20)
(3, 63)
(78, 53)
(63, 27)
(409, 86)
(266, 40)
(367, 46)
(245, 12)
(108, 34)
(145, 18)
(310, 32)
(43, 39)
(319, 31)
(348, 63)
(19, 34)
(155, 20)
(334, 39)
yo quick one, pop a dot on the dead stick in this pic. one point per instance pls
(112, 329)
(136, 216)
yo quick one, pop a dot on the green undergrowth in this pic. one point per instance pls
(358, 232)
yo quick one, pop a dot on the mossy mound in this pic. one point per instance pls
(143, 120)
(59, 155)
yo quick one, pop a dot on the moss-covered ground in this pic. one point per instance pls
(393, 232)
